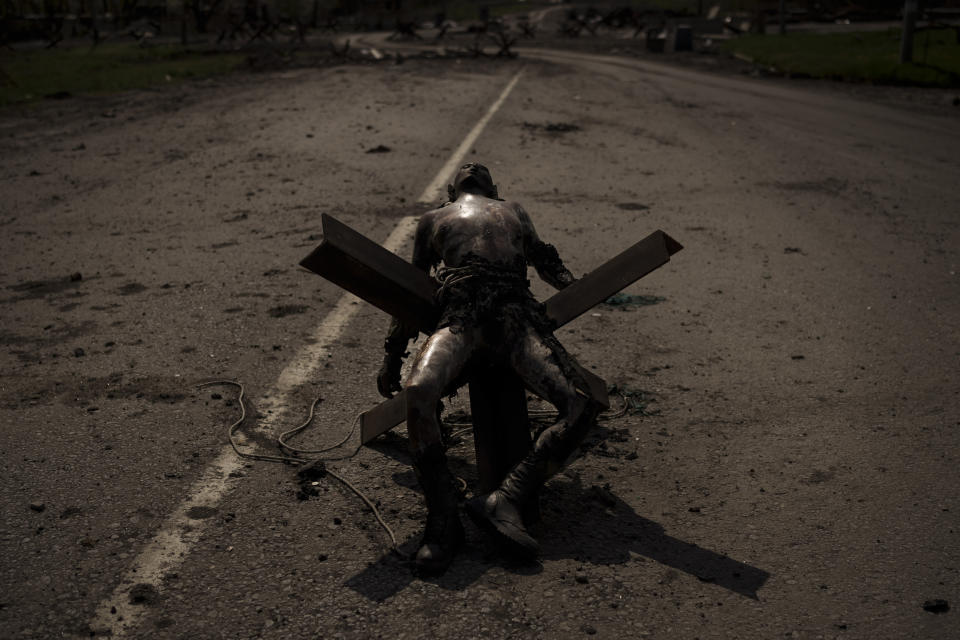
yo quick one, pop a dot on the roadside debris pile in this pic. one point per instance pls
(275, 57)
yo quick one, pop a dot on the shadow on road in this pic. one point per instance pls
(600, 528)
(589, 524)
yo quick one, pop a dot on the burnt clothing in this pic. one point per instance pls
(486, 295)
(549, 265)
(495, 298)
(492, 294)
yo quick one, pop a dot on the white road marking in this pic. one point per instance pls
(116, 615)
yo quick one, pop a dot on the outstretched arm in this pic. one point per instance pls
(400, 333)
(542, 256)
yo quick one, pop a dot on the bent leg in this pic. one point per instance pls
(500, 512)
(436, 367)
(540, 368)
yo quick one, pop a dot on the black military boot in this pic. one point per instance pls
(443, 535)
(500, 512)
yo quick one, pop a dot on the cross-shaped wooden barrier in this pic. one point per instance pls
(497, 395)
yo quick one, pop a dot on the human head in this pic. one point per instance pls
(473, 177)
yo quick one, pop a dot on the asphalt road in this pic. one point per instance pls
(794, 472)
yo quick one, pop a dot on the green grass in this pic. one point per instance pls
(32, 75)
(861, 57)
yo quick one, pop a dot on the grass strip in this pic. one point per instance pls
(859, 57)
(31, 75)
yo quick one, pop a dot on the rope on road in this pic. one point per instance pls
(297, 454)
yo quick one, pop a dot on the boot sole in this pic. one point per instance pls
(515, 541)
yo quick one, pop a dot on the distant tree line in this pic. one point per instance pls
(54, 20)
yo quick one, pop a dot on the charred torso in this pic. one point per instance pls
(484, 228)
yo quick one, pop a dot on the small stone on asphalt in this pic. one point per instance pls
(936, 606)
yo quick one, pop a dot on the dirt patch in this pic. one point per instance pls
(819, 477)
(632, 206)
(84, 392)
(199, 513)
(831, 186)
(243, 215)
(285, 310)
(131, 288)
(52, 334)
(145, 594)
(34, 289)
(551, 127)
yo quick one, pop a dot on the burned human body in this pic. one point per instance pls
(481, 246)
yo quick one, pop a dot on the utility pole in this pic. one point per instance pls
(909, 20)
(783, 17)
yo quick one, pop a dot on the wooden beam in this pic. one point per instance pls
(389, 282)
(612, 276)
(390, 413)
(383, 417)
(596, 386)
(565, 305)
(379, 276)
